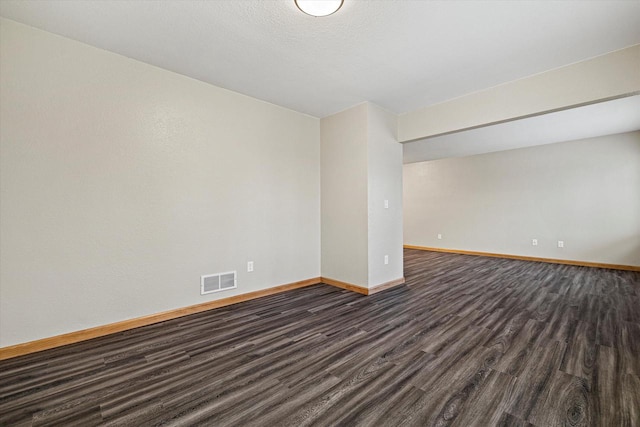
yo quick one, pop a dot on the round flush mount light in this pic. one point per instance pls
(319, 7)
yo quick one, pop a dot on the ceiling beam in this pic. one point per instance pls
(610, 76)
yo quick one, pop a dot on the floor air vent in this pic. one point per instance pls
(217, 282)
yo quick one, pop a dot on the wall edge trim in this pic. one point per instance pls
(528, 258)
(386, 285)
(68, 338)
(361, 289)
(124, 325)
(344, 285)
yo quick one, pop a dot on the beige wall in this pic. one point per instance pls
(361, 168)
(344, 196)
(122, 183)
(610, 75)
(384, 183)
(586, 193)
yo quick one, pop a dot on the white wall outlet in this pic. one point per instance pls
(386, 204)
(250, 266)
(534, 242)
(386, 259)
(439, 236)
(561, 243)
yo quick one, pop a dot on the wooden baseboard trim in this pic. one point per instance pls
(344, 285)
(361, 289)
(387, 285)
(99, 331)
(528, 258)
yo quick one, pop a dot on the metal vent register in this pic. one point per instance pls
(217, 282)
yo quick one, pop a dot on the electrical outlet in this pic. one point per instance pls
(386, 204)
(386, 259)
(561, 243)
(439, 236)
(250, 266)
(534, 242)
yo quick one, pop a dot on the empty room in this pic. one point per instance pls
(319, 213)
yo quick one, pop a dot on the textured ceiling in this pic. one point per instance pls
(399, 54)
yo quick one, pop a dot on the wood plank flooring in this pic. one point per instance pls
(468, 341)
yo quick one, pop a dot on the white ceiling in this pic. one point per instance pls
(605, 118)
(401, 55)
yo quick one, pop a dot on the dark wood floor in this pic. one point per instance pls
(468, 341)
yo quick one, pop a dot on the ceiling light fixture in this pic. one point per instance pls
(319, 7)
